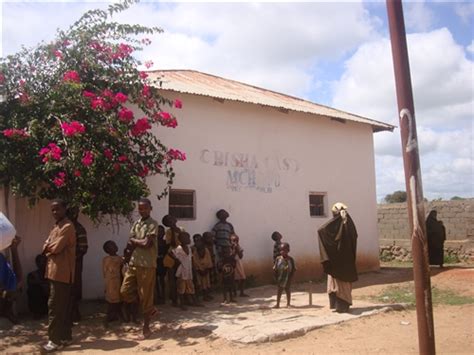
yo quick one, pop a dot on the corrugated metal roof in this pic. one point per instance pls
(197, 83)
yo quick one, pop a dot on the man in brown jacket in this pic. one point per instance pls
(60, 249)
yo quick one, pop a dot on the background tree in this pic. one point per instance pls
(67, 128)
(395, 197)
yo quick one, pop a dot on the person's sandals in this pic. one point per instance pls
(50, 347)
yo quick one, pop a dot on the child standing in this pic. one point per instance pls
(111, 268)
(223, 230)
(208, 238)
(184, 273)
(276, 237)
(202, 264)
(284, 269)
(238, 253)
(172, 240)
(226, 266)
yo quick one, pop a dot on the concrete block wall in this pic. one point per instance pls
(457, 216)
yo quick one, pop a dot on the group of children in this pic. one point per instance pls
(185, 273)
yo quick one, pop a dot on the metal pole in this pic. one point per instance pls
(411, 162)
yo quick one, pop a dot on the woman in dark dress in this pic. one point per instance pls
(436, 234)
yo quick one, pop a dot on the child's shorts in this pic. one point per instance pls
(185, 287)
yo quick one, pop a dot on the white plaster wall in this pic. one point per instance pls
(331, 157)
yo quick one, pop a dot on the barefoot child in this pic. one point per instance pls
(226, 266)
(111, 268)
(238, 253)
(202, 264)
(184, 273)
(284, 270)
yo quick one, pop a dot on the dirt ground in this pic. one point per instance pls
(394, 332)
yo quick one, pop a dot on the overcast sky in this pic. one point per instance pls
(333, 53)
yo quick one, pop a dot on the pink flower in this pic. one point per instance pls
(77, 173)
(15, 133)
(143, 75)
(120, 97)
(174, 154)
(52, 151)
(2, 78)
(58, 54)
(88, 94)
(122, 158)
(73, 128)
(140, 127)
(72, 76)
(87, 158)
(172, 123)
(108, 154)
(97, 104)
(165, 115)
(125, 115)
(24, 98)
(148, 64)
(150, 103)
(124, 50)
(60, 179)
(97, 46)
(144, 171)
(108, 93)
(116, 166)
(146, 90)
(178, 103)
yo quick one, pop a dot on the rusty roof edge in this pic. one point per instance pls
(378, 126)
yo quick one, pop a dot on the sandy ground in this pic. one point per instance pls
(394, 332)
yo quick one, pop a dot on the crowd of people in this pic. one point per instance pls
(158, 264)
(163, 263)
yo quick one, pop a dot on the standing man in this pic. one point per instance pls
(60, 250)
(81, 250)
(139, 280)
(338, 248)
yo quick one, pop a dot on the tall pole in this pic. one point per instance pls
(411, 162)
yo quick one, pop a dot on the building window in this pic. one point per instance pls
(317, 206)
(182, 204)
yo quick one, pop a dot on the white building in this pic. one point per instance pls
(274, 162)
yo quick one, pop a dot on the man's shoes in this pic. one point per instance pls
(50, 347)
(66, 342)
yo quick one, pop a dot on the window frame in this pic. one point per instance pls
(193, 192)
(324, 196)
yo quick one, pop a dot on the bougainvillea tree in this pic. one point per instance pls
(67, 124)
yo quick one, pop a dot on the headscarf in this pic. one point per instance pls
(341, 209)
